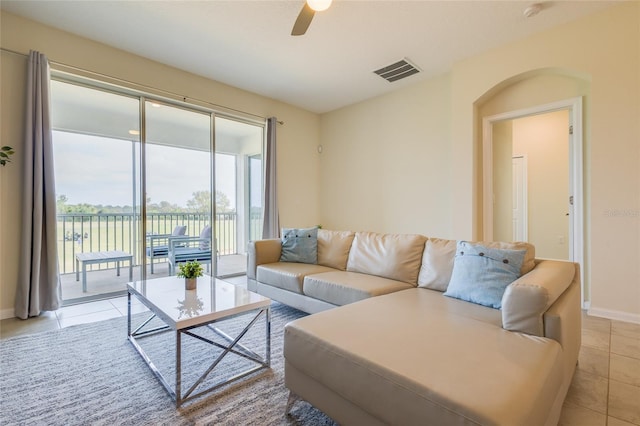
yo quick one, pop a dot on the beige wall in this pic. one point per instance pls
(410, 160)
(386, 163)
(298, 160)
(12, 107)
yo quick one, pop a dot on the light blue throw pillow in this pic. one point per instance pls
(481, 274)
(299, 245)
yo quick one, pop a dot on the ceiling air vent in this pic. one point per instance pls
(397, 71)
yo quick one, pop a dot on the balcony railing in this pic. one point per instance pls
(79, 232)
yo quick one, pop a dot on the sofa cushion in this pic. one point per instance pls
(437, 264)
(438, 256)
(393, 256)
(341, 287)
(287, 276)
(481, 274)
(333, 248)
(299, 245)
(458, 370)
(179, 230)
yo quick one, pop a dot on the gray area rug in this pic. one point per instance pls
(90, 374)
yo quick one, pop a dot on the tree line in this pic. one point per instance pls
(199, 202)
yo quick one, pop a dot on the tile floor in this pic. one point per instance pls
(605, 390)
(79, 314)
(606, 386)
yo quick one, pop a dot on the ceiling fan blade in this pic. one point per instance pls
(303, 21)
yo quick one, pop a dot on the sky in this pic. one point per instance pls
(97, 170)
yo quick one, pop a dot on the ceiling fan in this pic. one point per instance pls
(306, 15)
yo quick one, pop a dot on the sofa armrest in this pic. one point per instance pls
(261, 252)
(527, 299)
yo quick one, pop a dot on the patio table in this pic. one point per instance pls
(96, 257)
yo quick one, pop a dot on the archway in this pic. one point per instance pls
(526, 95)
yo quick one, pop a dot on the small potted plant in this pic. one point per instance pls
(190, 271)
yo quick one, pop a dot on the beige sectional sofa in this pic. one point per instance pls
(384, 346)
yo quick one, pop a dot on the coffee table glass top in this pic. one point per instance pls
(179, 308)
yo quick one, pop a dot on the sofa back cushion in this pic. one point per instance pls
(394, 256)
(179, 231)
(205, 238)
(333, 248)
(439, 254)
(437, 264)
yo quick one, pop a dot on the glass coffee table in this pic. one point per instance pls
(213, 301)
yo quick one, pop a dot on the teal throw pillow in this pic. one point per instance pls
(481, 274)
(299, 245)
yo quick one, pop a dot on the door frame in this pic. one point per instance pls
(576, 177)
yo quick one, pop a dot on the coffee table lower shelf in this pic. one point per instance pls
(176, 392)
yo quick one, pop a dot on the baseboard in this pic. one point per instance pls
(7, 313)
(614, 315)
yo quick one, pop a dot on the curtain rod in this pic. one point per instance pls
(142, 86)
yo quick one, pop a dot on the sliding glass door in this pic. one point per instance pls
(132, 171)
(179, 184)
(238, 191)
(96, 156)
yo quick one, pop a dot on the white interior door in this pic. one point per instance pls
(519, 176)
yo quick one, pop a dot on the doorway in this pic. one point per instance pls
(531, 184)
(554, 214)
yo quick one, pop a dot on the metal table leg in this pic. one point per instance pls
(84, 277)
(177, 392)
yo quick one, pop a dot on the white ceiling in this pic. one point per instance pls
(247, 44)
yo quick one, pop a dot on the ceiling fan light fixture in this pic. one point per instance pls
(319, 5)
(532, 10)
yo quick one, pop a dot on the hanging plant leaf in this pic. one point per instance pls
(5, 153)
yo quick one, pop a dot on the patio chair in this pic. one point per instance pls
(188, 249)
(158, 245)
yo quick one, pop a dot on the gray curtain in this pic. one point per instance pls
(38, 281)
(271, 223)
